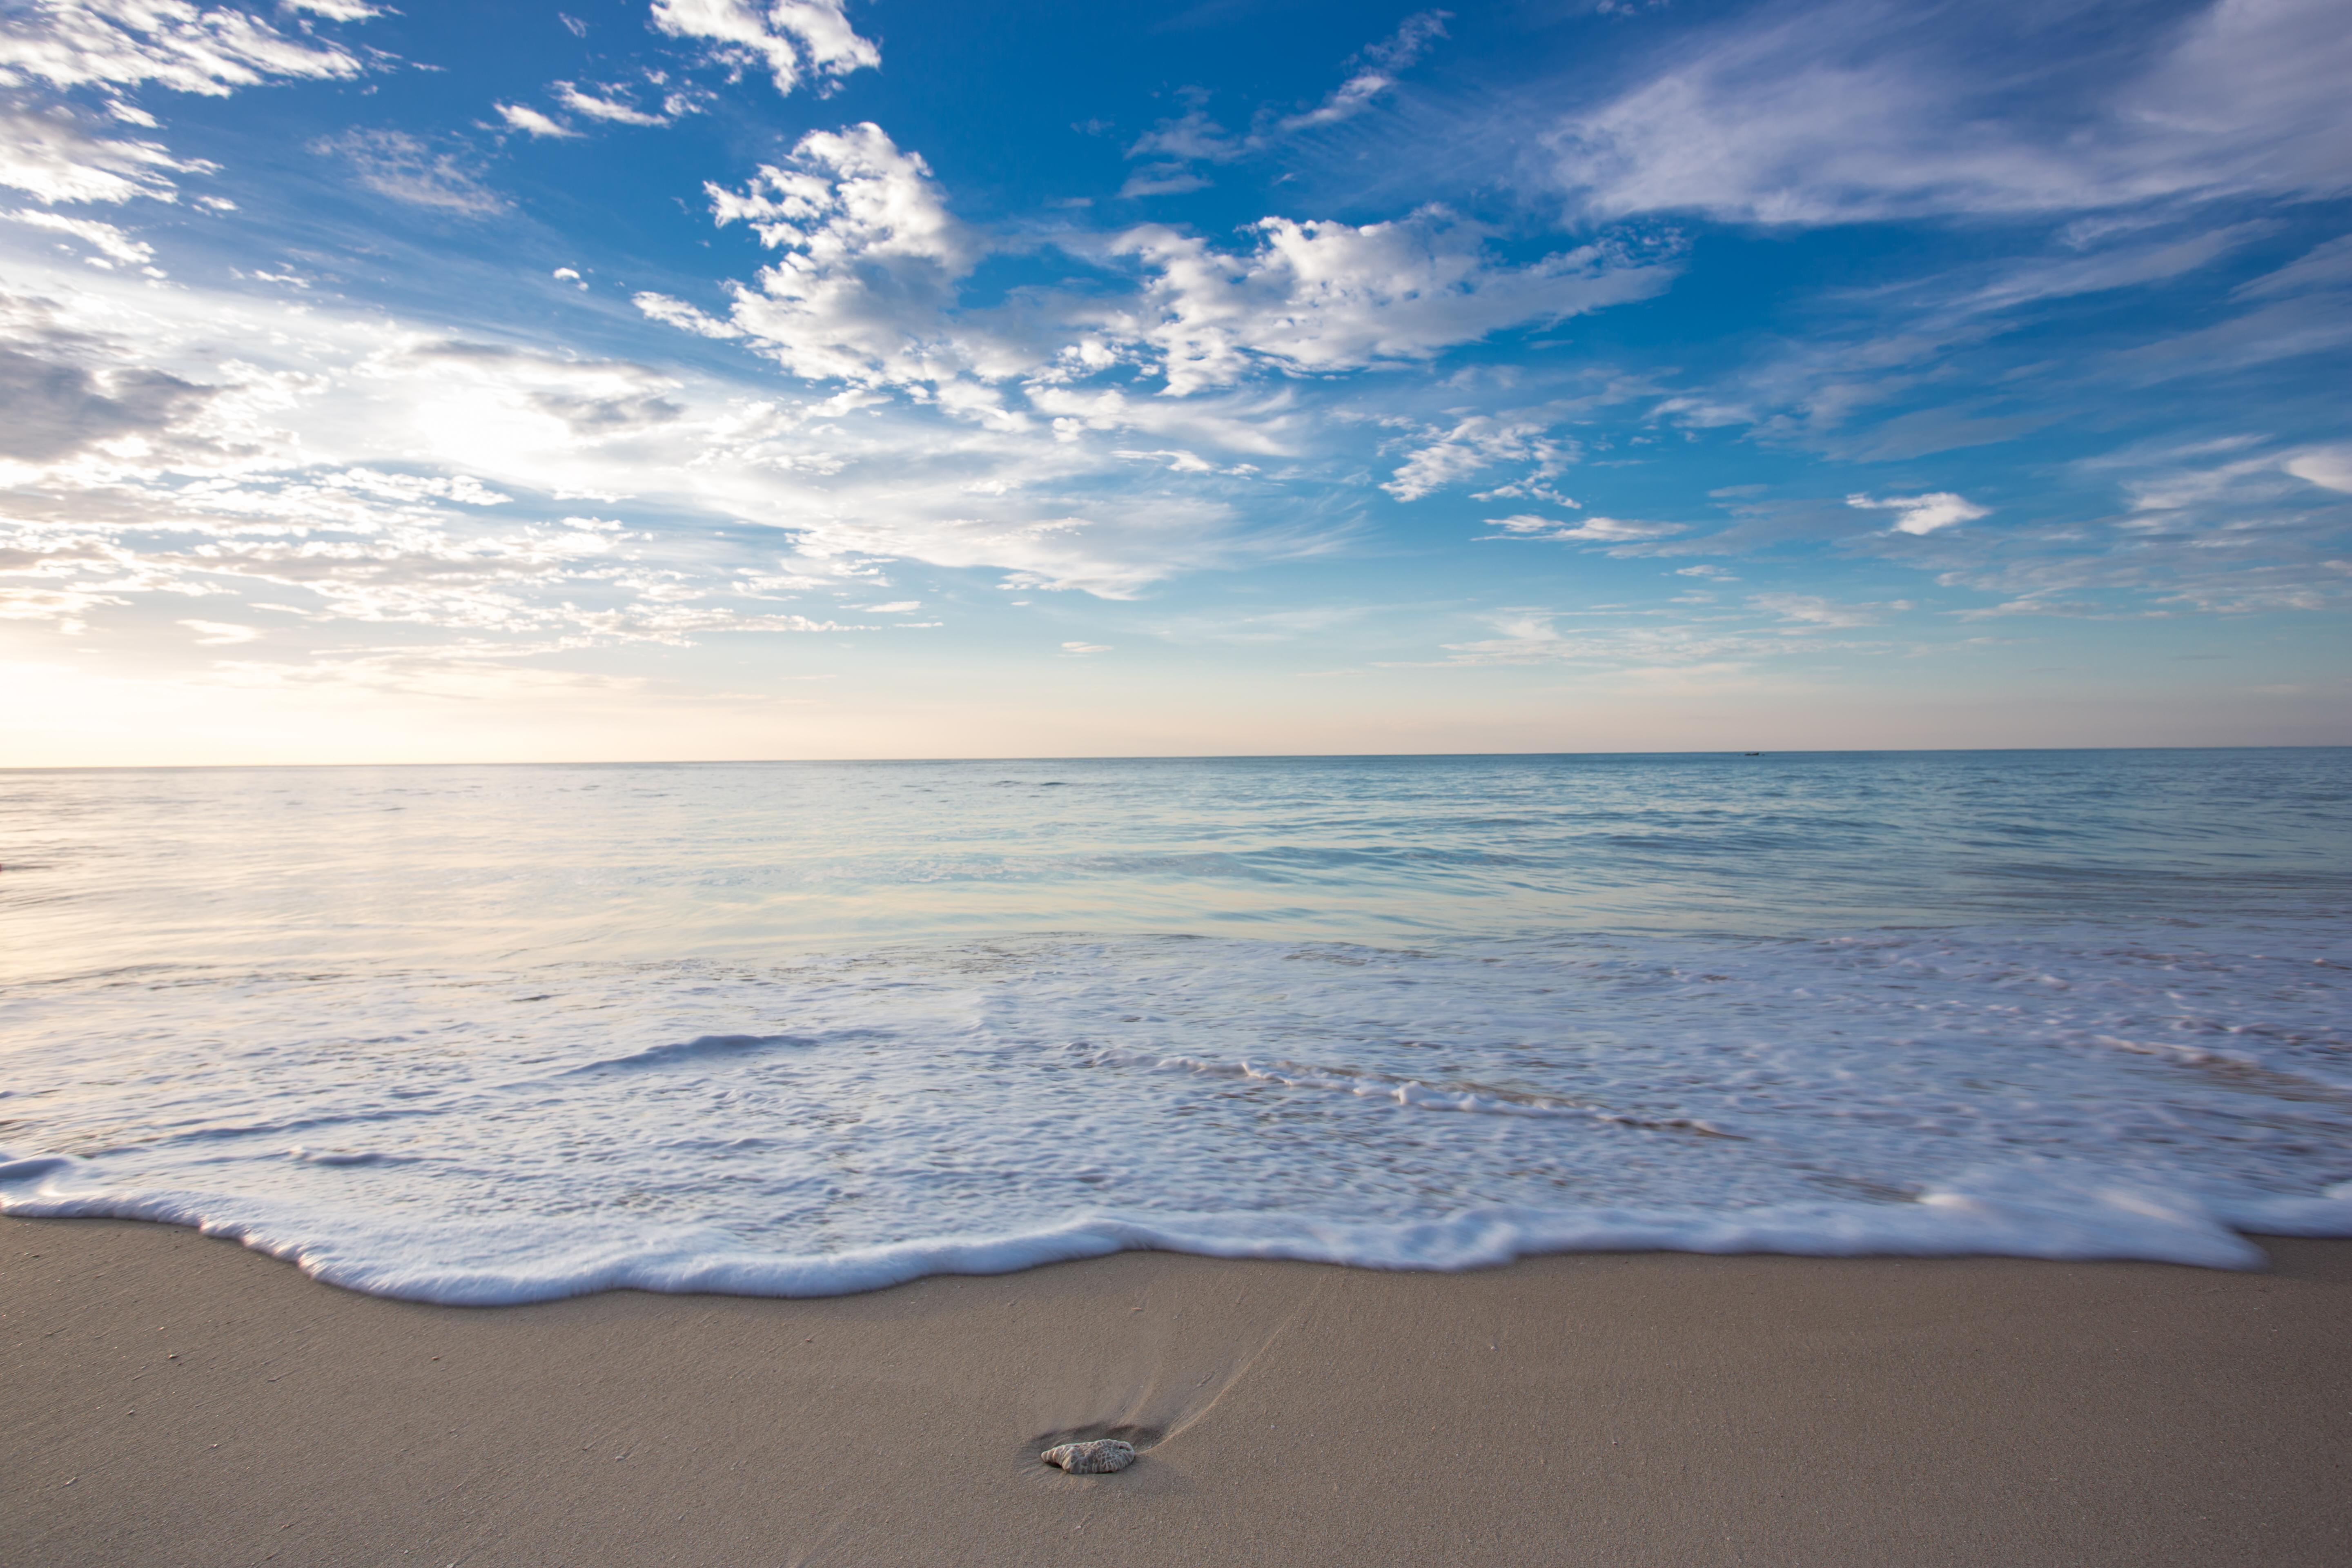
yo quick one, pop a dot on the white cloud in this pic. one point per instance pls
(871, 265)
(1590, 531)
(868, 290)
(463, 489)
(1866, 109)
(1085, 647)
(595, 399)
(1319, 296)
(793, 39)
(124, 43)
(1854, 388)
(1717, 647)
(1812, 610)
(1190, 136)
(104, 238)
(2252, 493)
(679, 313)
(2329, 468)
(2228, 524)
(1535, 488)
(2312, 324)
(1194, 137)
(1261, 424)
(1380, 65)
(57, 46)
(1474, 444)
(396, 165)
(2327, 265)
(1161, 180)
(61, 406)
(1923, 513)
(2182, 487)
(606, 107)
(1178, 461)
(49, 155)
(2123, 268)
(354, 472)
(1349, 99)
(523, 117)
(63, 607)
(221, 634)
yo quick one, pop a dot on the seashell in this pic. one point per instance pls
(1100, 1458)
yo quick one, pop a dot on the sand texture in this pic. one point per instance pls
(171, 1400)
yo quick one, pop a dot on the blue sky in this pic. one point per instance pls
(710, 378)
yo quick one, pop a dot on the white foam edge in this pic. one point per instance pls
(2111, 1224)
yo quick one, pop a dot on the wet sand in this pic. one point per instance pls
(166, 1399)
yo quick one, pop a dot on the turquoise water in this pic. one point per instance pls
(490, 1033)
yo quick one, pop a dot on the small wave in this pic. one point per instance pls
(704, 1048)
(2231, 1064)
(346, 1156)
(1414, 1093)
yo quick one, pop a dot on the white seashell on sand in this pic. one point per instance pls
(1100, 1458)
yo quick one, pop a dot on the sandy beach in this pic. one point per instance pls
(171, 1399)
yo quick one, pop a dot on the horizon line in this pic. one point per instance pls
(1155, 757)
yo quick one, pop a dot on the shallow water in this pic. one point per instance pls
(489, 1034)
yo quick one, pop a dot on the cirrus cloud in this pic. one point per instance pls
(1864, 109)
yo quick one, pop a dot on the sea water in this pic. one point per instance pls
(497, 1034)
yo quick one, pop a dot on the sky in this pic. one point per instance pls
(680, 379)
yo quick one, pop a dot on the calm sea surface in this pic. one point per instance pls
(485, 1034)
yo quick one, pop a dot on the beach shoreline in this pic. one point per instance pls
(175, 1399)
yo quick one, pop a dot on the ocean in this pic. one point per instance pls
(484, 1035)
